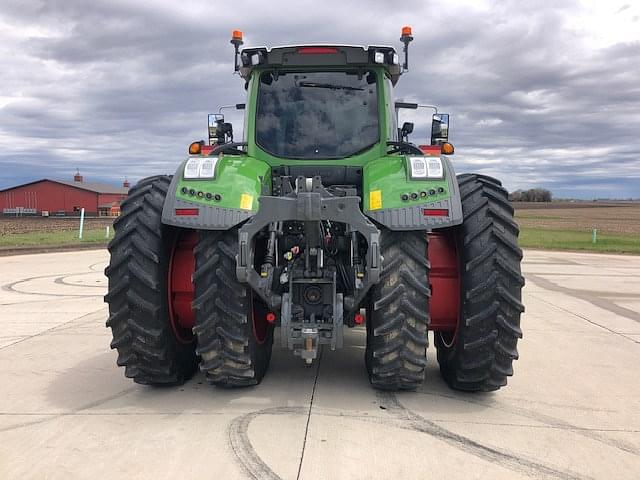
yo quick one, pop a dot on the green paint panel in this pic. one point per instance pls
(240, 177)
(389, 176)
(238, 182)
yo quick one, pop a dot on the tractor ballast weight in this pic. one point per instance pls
(325, 216)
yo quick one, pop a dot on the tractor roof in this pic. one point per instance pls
(330, 56)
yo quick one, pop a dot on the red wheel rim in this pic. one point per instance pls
(259, 319)
(444, 277)
(182, 265)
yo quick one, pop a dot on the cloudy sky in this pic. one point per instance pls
(539, 95)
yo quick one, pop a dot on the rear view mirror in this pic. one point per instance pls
(439, 128)
(406, 130)
(214, 120)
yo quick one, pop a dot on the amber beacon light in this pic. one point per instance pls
(406, 38)
(195, 148)
(447, 148)
(236, 41)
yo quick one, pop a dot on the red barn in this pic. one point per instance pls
(60, 197)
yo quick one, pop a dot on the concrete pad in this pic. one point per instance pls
(5, 341)
(347, 448)
(27, 329)
(93, 446)
(572, 410)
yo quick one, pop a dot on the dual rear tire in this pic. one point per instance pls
(138, 302)
(233, 339)
(478, 356)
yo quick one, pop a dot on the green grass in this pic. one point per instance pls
(54, 239)
(529, 238)
(576, 240)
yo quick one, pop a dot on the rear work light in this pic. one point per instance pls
(425, 167)
(435, 212)
(257, 58)
(200, 167)
(384, 56)
(317, 50)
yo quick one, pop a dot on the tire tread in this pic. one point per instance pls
(397, 330)
(481, 358)
(139, 325)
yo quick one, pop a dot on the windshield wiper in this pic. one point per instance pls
(328, 85)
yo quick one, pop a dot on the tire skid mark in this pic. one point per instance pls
(401, 418)
(547, 420)
(99, 265)
(62, 280)
(29, 301)
(588, 296)
(504, 458)
(595, 324)
(11, 287)
(247, 457)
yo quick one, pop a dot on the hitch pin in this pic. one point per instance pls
(308, 346)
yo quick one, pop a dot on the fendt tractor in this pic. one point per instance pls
(324, 216)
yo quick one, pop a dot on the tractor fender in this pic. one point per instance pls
(219, 203)
(387, 185)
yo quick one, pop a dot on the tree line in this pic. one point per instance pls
(531, 195)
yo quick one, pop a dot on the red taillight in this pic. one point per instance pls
(430, 149)
(186, 212)
(317, 50)
(435, 212)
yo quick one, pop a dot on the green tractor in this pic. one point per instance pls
(324, 216)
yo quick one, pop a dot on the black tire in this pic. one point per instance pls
(480, 357)
(137, 295)
(398, 313)
(231, 354)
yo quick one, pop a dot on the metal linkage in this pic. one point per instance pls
(312, 204)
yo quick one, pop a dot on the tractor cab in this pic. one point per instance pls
(321, 102)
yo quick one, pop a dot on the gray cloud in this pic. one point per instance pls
(120, 89)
